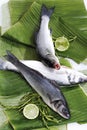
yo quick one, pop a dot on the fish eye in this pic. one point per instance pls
(64, 110)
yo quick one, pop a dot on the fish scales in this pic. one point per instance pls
(64, 77)
(50, 94)
(44, 42)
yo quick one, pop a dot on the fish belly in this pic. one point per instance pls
(45, 44)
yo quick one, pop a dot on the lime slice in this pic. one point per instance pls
(31, 111)
(62, 44)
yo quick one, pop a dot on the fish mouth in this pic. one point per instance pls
(56, 66)
(65, 113)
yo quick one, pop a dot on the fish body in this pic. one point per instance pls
(63, 77)
(44, 43)
(51, 95)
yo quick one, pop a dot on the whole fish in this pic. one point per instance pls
(63, 77)
(50, 94)
(43, 39)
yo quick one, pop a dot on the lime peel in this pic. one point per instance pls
(62, 43)
(31, 111)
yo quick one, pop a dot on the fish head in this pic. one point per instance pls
(55, 63)
(61, 108)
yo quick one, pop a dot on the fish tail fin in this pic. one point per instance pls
(10, 57)
(46, 11)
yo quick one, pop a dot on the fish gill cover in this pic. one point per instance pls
(17, 36)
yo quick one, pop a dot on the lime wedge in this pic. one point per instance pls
(31, 111)
(61, 44)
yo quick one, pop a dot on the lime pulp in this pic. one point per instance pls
(61, 44)
(31, 111)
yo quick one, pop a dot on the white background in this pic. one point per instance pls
(71, 126)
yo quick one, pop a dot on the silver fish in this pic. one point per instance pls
(43, 39)
(63, 77)
(50, 94)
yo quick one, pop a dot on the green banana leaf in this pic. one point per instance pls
(18, 37)
(6, 126)
(12, 97)
(13, 16)
(84, 86)
(78, 112)
(60, 127)
(32, 17)
(4, 122)
(2, 116)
